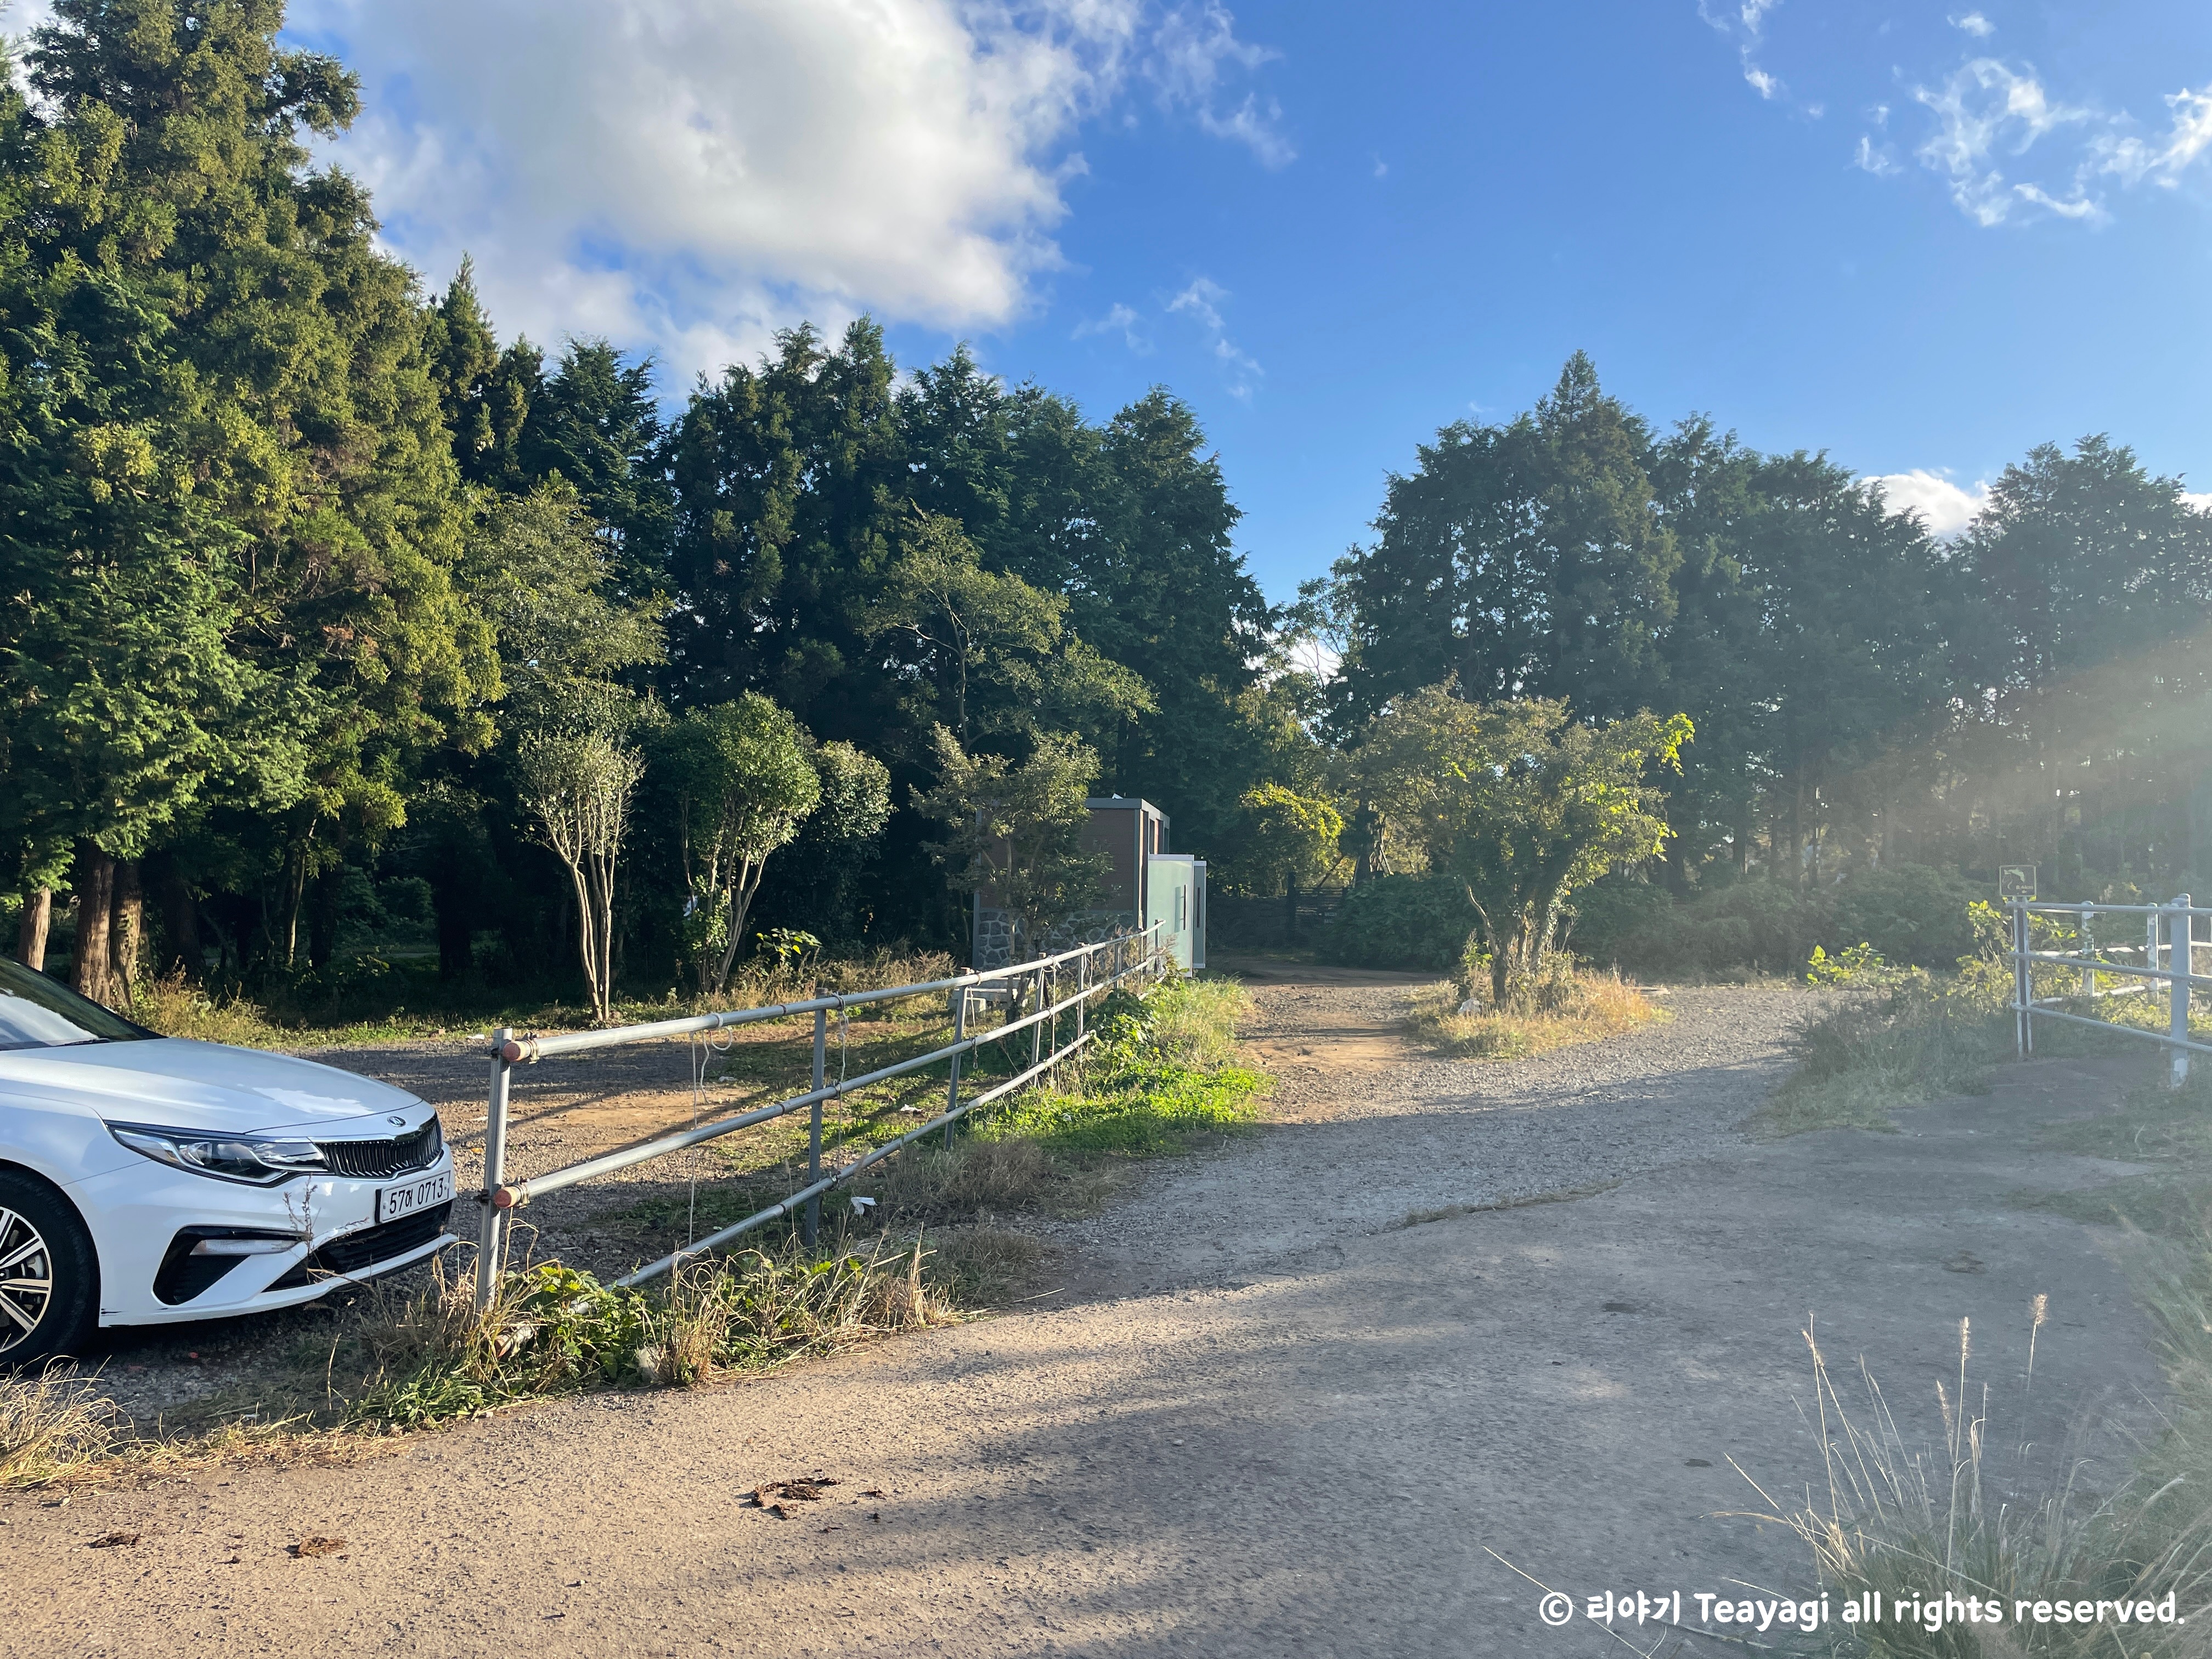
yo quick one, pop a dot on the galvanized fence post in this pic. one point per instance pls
(2023, 983)
(2180, 962)
(810, 1229)
(1037, 1032)
(959, 1035)
(491, 1220)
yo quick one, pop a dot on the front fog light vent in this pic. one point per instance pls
(200, 1257)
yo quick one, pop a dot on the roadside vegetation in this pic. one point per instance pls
(1888, 1037)
(380, 1011)
(1907, 1517)
(932, 1246)
(1568, 1005)
(1947, 1512)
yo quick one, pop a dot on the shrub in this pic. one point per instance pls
(1913, 915)
(1720, 930)
(1414, 922)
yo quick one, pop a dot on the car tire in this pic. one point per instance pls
(49, 1274)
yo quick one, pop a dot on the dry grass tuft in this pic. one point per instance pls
(54, 1426)
(1920, 1521)
(1571, 1008)
(987, 1267)
(973, 1176)
(980, 1176)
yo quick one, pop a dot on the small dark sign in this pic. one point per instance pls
(2016, 881)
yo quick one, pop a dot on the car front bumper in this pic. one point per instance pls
(137, 1212)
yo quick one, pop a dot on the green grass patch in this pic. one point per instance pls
(1138, 1110)
(553, 1330)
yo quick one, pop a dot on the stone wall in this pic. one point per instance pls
(994, 935)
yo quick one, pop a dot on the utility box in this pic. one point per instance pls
(1175, 903)
(1130, 832)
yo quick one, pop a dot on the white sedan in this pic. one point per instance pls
(145, 1179)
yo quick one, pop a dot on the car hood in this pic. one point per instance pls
(179, 1085)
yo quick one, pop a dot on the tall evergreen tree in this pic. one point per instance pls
(219, 336)
(595, 422)
(1528, 560)
(2086, 636)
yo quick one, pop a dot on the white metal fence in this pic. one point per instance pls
(1044, 984)
(2163, 965)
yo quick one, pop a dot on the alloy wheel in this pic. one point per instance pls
(26, 1278)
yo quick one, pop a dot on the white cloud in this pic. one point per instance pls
(1201, 302)
(1745, 24)
(1121, 319)
(691, 175)
(1986, 108)
(1255, 125)
(2077, 206)
(2202, 503)
(1944, 506)
(1192, 51)
(2133, 161)
(1879, 160)
(1316, 657)
(1974, 24)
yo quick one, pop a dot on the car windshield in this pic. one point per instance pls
(36, 1012)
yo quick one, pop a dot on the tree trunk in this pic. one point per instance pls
(325, 908)
(295, 889)
(1798, 839)
(741, 904)
(602, 923)
(126, 932)
(180, 921)
(95, 897)
(591, 956)
(450, 905)
(31, 936)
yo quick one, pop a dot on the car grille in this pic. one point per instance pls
(356, 1252)
(377, 1159)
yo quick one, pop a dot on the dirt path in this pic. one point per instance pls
(1296, 1435)
(1374, 1130)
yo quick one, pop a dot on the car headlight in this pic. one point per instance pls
(251, 1159)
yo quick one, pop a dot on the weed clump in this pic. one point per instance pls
(1911, 1520)
(554, 1330)
(1913, 1042)
(1562, 1006)
(52, 1425)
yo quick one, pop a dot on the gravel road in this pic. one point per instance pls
(1284, 1423)
(1400, 1133)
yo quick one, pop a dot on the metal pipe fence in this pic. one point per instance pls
(2166, 958)
(1096, 969)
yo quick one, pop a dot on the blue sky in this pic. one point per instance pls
(1921, 237)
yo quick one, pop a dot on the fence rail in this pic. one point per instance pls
(2166, 958)
(1095, 968)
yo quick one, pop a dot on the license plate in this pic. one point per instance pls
(397, 1203)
